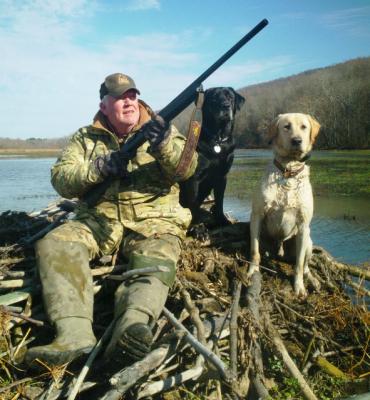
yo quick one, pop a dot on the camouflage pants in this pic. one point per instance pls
(61, 268)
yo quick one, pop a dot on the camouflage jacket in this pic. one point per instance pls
(147, 201)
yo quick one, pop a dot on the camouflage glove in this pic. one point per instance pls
(112, 164)
(156, 131)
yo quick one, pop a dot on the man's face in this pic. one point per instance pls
(123, 112)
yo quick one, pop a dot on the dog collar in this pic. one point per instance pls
(287, 172)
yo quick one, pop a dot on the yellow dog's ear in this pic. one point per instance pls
(315, 127)
(272, 130)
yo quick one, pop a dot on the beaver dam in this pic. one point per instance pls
(220, 336)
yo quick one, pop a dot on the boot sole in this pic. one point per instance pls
(50, 357)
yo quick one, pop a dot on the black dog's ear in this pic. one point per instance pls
(239, 99)
(206, 95)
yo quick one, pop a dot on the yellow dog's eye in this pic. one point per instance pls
(287, 126)
(303, 126)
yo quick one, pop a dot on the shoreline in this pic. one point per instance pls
(49, 150)
(30, 152)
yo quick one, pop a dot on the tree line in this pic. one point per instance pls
(33, 143)
(337, 96)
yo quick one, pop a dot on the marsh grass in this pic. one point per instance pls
(34, 153)
(333, 173)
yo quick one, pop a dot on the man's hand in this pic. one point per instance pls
(112, 164)
(156, 130)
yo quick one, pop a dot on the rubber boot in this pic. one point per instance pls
(74, 338)
(68, 299)
(137, 307)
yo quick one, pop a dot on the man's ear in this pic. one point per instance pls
(315, 127)
(103, 107)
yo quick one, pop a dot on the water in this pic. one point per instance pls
(346, 238)
(340, 225)
(25, 183)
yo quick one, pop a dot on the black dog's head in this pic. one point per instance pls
(219, 108)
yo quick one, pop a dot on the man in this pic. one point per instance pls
(138, 213)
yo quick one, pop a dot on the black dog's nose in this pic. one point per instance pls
(296, 141)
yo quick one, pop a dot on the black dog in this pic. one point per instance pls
(216, 153)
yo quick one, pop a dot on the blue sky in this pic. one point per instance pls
(55, 53)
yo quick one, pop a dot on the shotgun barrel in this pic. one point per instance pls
(171, 110)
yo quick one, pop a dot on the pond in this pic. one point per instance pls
(341, 222)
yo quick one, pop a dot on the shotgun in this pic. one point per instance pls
(171, 110)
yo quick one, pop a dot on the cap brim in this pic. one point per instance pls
(120, 93)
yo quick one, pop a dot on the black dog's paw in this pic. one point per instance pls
(199, 232)
(219, 218)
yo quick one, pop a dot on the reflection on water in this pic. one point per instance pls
(340, 224)
(343, 225)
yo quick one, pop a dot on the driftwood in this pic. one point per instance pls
(253, 301)
(289, 363)
(98, 347)
(168, 383)
(234, 328)
(129, 274)
(124, 380)
(223, 318)
(199, 347)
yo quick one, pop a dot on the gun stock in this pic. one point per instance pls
(172, 109)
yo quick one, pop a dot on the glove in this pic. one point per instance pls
(112, 164)
(156, 130)
(136, 341)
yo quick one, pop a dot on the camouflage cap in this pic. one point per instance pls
(117, 84)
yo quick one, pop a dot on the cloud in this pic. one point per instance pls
(140, 5)
(354, 21)
(241, 75)
(50, 77)
(46, 8)
(49, 81)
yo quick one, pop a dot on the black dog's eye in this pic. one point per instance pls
(287, 126)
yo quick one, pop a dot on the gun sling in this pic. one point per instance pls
(195, 127)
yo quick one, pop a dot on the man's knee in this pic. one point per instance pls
(167, 276)
(69, 232)
(162, 251)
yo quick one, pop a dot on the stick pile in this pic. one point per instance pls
(220, 336)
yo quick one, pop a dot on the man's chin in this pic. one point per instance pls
(130, 117)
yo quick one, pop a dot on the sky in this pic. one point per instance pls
(55, 53)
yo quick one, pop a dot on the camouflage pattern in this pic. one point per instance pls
(146, 202)
(117, 84)
(141, 212)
